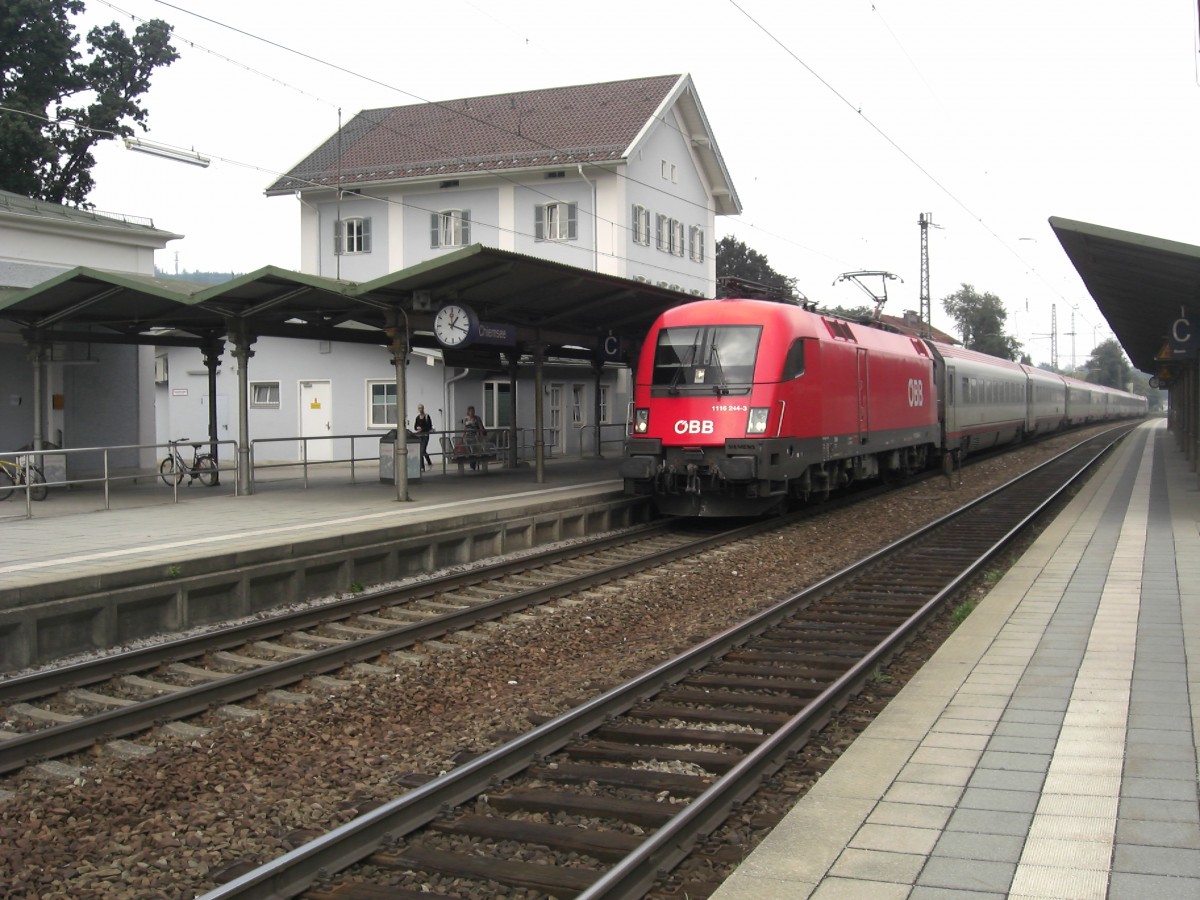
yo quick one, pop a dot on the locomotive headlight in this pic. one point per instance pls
(641, 421)
(757, 423)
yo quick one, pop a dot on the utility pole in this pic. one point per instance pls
(925, 220)
(1054, 335)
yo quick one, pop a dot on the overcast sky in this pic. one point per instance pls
(840, 122)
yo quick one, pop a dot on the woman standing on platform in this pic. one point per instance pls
(423, 425)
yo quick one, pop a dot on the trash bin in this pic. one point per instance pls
(387, 457)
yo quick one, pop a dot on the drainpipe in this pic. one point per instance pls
(320, 230)
(449, 413)
(595, 224)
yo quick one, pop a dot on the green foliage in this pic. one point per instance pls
(1108, 366)
(44, 76)
(198, 277)
(853, 313)
(980, 319)
(736, 260)
(960, 613)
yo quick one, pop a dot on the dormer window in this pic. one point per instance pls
(449, 184)
(559, 174)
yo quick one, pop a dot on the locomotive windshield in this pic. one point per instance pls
(717, 358)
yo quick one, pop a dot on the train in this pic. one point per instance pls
(745, 407)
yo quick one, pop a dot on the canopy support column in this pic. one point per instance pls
(37, 356)
(539, 393)
(241, 338)
(598, 369)
(212, 361)
(398, 344)
(513, 367)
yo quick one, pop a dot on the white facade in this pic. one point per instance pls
(91, 395)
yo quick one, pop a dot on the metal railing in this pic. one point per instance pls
(108, 466)
(588, 445)
(305, 461)
(106, 472)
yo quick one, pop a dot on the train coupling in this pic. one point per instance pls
(693, 479)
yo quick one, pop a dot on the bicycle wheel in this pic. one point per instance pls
(37, 482)
(6, 484)
(171, 473)
(206, 470)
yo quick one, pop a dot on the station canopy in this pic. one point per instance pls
(566, 311)
(1142, 285)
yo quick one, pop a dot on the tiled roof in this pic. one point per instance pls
(551, 127)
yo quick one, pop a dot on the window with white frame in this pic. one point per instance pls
(604, 404)
(450, 228)
(662, 232)
(497, 404)
(669, 172)
(696, 243)
(352, 235)
(676, 237)
(554, 222)
(264, 395)
(381, 403)
(641, 225)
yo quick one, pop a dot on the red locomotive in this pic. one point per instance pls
(741, 406)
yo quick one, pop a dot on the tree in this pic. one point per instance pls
(854, 313)
(1107, 366)
(737, 261)
(67, 102)
(980, 319)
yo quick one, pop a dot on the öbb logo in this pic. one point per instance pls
(694, 426)
(916, 392)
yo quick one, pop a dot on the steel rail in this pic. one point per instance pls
(41, 683)
(69, 737)
(295, 871)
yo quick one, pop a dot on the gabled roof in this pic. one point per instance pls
(550, 128)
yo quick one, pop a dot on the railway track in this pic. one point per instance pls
(606, 798)
(64, 710)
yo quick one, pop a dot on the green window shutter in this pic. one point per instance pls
(337, 237)
(366, 235)
(435, 221)
(539, 223)
(572, 231)
(466, 227)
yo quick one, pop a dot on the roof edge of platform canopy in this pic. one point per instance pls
(1141, 284)
(543, 300)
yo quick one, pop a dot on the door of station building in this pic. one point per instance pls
(316, 418)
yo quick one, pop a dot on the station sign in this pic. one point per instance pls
(1183, 341)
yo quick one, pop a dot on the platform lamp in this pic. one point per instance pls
(178, 154)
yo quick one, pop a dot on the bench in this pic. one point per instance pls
(476, 451)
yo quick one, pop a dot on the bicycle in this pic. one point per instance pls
(175, 467)
(15, 473)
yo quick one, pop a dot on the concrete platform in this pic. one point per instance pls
(1048, 750)
(78, 577)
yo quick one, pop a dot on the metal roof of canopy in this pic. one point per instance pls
(551, 303)
(1141, 284)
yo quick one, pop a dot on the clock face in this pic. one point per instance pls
(452, 325)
